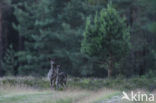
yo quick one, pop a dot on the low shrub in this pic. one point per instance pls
(84, 83)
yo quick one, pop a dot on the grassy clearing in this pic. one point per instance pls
(29, 95)
(79, 90)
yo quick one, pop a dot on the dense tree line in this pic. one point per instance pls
(33, 30)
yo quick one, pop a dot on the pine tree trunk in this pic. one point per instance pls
(109, 72)
(110, 68)
(1, 40)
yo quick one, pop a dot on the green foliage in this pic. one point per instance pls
(140, 16)
(31, 27)
(49, 31)
(107, 36)
(54, 28)
(10, 61)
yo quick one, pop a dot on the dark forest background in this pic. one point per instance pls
(33, 30)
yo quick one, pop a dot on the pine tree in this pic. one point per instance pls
(106, 38)
(48, 30)
(1, 40)
(10, 62)
(3, 8)
(140, 16)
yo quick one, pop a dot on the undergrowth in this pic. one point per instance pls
(84, 83)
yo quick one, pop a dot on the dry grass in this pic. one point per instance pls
(25, 90)
(99, 95)
(18, 94)
(30, 95)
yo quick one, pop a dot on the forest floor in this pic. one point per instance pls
(27, 94)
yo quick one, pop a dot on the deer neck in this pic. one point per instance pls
(52, 67)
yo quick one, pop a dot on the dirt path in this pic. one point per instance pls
(114, 99)
(100, 96)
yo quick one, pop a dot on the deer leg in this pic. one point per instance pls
(64, 83)
(57, 82)
(51, 84)
(54, 82)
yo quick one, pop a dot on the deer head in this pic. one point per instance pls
(52, 62)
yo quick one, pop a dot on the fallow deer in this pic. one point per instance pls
(52, 73)
(61, 78)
